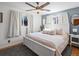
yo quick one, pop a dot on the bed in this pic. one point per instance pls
(46, 45)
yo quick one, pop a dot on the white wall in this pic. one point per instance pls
(4, 28)
(36, 18)
(36, 22)
(4, 25)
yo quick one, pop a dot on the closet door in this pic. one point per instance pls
(30, 23)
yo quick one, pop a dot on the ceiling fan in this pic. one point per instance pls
(38, 7)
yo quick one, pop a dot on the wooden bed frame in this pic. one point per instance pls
(38, 48)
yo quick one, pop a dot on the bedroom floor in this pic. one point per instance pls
(21, 50)
(75, 51)
(17, 50)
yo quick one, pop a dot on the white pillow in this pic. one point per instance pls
(59, 31)
(52, 32)
(45, 32)
(49, 31)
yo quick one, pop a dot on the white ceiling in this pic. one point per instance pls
(53, 6)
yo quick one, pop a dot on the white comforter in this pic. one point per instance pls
(59, 42)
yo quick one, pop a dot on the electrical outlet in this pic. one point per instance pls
(8, 41)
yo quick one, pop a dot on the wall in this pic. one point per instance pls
(34, 25)
(4, 25)
(70, 12)
(36, 22)
(4, 28)
(35, 19)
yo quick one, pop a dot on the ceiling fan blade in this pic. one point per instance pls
(30, 9)
(44, 10)
(42, 6)
(30, 5)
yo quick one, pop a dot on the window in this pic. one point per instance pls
(24, 21)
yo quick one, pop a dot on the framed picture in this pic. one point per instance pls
(1, 17)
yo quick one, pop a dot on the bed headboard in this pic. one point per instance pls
(62, 22)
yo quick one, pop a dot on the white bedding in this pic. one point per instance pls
(58, 41)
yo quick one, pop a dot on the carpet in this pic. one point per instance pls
(21, 50)
(67, 51)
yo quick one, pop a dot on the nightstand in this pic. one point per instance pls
(75, 41)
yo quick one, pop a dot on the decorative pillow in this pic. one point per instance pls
(45, 32)
(50, 32)
(59, 31)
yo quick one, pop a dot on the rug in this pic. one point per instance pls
(67, 51)
(21, 50)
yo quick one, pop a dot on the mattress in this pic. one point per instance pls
(59, 42)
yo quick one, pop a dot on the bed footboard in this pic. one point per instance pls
(39, 48)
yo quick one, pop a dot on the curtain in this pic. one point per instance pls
(15, 24)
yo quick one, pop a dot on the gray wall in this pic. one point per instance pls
(70, 13)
